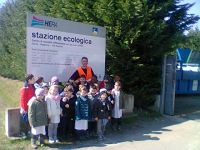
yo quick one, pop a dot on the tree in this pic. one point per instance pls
(192, 40)
(12, 38)
(139, 33)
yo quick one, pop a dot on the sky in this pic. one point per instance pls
(194, 10)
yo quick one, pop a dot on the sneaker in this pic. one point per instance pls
(100, 138)
(57, 141)
(51, 141)
(34, 146)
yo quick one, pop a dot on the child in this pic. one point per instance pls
(118, 106)
(82, 81)
(110, 98)
(78, 93)
(37, 116)
(93, 80)
(54, 111)
(116, 78)
(82, 113)
(26, 93)
(68, 84)
(55, 81)
(92, 95)
(46, 89)
(106, 83)
(68, 112)
(102, 113)
(39, 82)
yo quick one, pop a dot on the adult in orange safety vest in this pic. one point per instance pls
(82, 70)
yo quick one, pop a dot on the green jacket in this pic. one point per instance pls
(37, 112)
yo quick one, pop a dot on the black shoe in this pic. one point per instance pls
(33, 142)
(41, 140)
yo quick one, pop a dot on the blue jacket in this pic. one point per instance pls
(83, 108)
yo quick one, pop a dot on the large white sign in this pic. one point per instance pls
(55, 47)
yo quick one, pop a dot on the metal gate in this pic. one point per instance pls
(168, 85)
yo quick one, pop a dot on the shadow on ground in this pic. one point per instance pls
(186, 108)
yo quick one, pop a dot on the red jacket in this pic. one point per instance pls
(102, 84)
(26, 93)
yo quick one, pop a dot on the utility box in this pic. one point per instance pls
(12, 122)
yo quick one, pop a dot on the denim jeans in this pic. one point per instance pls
(52, 131)
(101, 126)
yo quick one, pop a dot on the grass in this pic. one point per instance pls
(149, 114)
(9, 97)
(9, 92)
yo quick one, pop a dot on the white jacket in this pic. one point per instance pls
(53, 109)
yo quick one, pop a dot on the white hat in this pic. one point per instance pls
(103, 90)
(39, 92)
(45, 85)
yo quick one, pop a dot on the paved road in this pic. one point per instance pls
(168, 133)
(179, 132)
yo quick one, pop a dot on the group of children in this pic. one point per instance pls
(81, 108)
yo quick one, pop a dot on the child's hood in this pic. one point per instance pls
(31, 101)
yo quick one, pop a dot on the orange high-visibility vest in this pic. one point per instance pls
(89, 72)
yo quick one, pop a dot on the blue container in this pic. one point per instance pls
(187, 82)
(187, 74)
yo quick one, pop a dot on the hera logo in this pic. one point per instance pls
(95, 31)
(41, 22)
